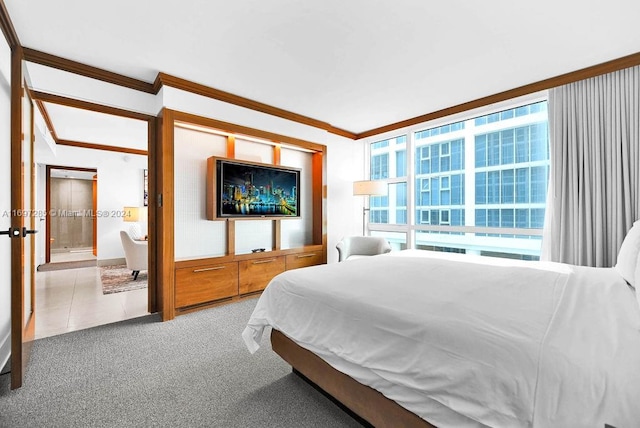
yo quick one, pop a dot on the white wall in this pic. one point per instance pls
(345, 162)
(5, 201)
(190, 162)
(119, 185)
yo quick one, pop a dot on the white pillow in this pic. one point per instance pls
(628, 255)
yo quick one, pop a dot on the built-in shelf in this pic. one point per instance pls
(202, 282)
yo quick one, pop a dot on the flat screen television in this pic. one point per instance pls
(250, 189)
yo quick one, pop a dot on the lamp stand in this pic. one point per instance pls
(364, 218)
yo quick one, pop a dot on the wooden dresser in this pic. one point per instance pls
(206, 282)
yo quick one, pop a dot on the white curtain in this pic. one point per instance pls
(594, 181)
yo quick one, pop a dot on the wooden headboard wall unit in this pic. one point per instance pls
(192, 283)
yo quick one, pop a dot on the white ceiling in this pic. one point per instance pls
(97, 128)
(356, 64)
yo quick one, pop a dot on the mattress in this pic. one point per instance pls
(469, 341)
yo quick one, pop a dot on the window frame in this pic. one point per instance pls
(413, 224)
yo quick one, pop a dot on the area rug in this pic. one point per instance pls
(116, 279)
(48, 267)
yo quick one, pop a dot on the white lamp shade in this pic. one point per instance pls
(135, 214)
(131, 214)
(370, 188)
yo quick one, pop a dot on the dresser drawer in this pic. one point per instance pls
(295, 261)
(206, 283)
(255, 274)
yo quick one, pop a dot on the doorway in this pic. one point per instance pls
(71, 198)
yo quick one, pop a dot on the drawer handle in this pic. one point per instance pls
(303, 256)
(258, 262)
(208, 269)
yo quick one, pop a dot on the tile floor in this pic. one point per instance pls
(72, 299)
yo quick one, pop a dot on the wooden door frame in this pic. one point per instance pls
(18, 363)
(21, 335)
(94, 219)
(152, 154)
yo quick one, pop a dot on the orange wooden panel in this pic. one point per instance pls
(206, 283)
(295, 261)
(254, 275)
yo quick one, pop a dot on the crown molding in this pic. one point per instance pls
(563, 79)
(162, 79)
(47, 118)
(227, 97)
(7, 27)
(87, 105)
(108, 148)
(233, 128)
(75, 67)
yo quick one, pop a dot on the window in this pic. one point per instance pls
(380, 166)
(484, 172)
(388, 161)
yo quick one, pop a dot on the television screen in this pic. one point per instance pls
(247, 189)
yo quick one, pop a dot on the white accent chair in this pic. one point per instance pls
(136, 254)
(354, 247)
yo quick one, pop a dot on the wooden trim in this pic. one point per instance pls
(210, 185)
(47, 221)
(199, 89)
(30, 329)
(563, 79)
(152, 298)
(277, 154)
(102, 147)
(231, 146)
(94, 217)
(206, 91)
(85, 70)
(72, 168)
(17, 245)
(231, 237)
(179, 264)
(87, 105)
(47, 119)
(362, 400)
(8, 29)
(166, 229)
(232, 128)
(277, 234)
(317, 185)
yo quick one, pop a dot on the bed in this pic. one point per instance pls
(463, 341)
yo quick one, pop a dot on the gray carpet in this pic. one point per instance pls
(193, 371)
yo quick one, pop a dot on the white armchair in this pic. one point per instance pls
(353, 247)
(136, 254)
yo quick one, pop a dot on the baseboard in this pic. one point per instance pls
(112, 262)
(5, 351)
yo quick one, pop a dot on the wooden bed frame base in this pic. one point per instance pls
(362, 400)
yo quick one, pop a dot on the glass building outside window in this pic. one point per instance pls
(469, 179)
(389, 161)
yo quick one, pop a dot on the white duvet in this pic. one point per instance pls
(470, 341)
